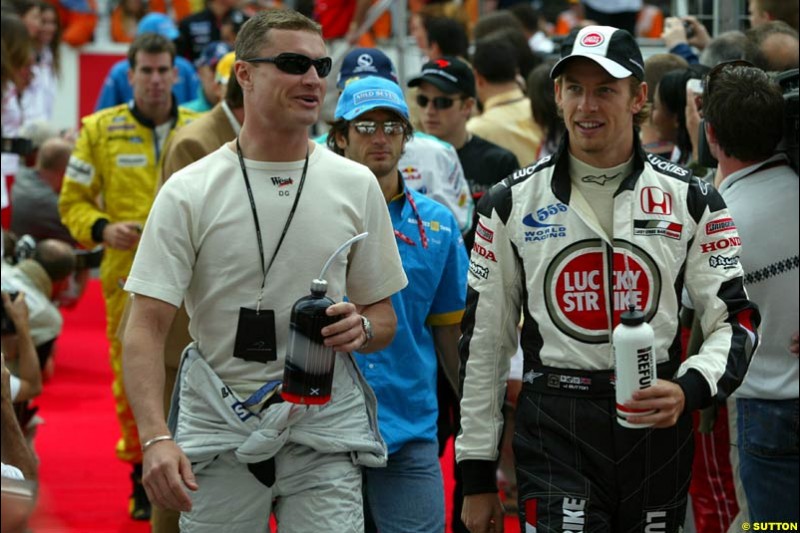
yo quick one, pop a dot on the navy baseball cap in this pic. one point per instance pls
(212, 53)
(158, 23)
(366, 94)
(362, 62)
(613, 49)
(449, 74)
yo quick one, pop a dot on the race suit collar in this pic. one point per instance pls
(560, 183)
(145, 121)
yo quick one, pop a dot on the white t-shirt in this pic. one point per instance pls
(200, 243)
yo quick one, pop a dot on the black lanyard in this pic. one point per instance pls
(266, 270)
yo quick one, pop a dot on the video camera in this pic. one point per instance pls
(789, 82)
(6, 324)
(25, 247)
(17, 145)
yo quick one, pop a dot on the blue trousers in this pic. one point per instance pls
(407, 496)
(768, 457)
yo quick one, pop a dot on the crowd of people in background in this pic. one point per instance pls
(483, 105)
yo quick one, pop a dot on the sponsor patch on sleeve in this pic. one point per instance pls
(79, 171)
(725, 263)
(484, 233)
(720, 225)
(480, 272)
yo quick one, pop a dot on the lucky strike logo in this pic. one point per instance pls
(592, 39)
(575, 288)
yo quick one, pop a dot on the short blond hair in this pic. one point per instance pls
(254, 34)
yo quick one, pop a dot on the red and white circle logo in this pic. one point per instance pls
(592, 39)
(578, 287)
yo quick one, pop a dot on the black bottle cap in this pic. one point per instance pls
(632, 317)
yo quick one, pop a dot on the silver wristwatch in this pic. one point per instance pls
(366, 326)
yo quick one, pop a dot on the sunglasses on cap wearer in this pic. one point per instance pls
(296, 63)
(712, 74)
(439, 102)
(370, 127)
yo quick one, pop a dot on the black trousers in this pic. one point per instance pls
(579, 470)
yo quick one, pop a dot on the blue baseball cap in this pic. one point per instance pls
(366, 94)
(362, 62)
(158, 23)
(212, 53)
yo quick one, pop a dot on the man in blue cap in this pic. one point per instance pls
(209, 91)
(372, 128)
(117, 89)
(428, 165)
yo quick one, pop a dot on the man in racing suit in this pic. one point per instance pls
(572, 241)
(117, 158)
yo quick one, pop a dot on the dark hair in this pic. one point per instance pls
(56, 257)
(526, 15)
(494, 21)
(672, 93)
(150, 43)
(449, 34)
(541, 93)
(342, 126)
(23, 6)
(656, 66)
(55, 44)
(234, 96)
(755, 53)
(745, 108)
(17, 47)
(495, 59)
(254, 34)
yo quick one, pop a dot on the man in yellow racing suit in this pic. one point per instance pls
(108, 190)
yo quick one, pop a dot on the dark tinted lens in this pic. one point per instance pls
(323, 66)
(439, 102)
(293, 63)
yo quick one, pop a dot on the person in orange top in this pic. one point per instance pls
(78, 19)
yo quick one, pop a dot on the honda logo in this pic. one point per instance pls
(721, 244)
(656, 202)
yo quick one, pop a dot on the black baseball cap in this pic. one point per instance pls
(448, 74)
(613, 49)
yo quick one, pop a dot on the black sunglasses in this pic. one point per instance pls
(296, 63)
(439, 102)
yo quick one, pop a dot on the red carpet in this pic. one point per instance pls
(84, 487)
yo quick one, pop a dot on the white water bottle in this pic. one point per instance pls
(634, 363)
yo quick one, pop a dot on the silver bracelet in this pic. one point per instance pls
(154, 440)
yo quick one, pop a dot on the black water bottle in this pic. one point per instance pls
(308, 371)
(309, 365)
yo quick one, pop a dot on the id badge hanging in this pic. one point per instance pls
(255, 329)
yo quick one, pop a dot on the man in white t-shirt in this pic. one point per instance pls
(210, 241)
